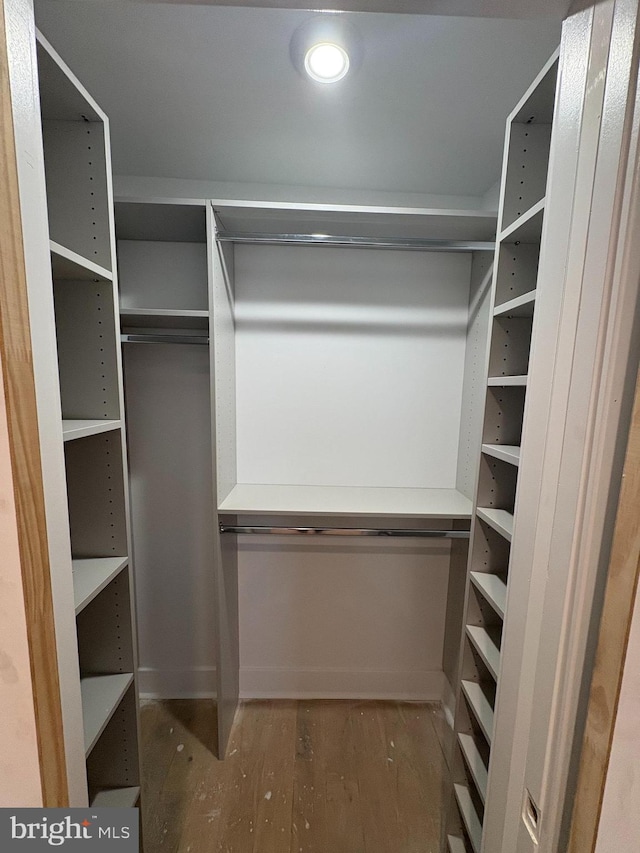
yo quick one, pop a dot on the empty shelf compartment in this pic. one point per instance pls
(101, 695)
(493, 588)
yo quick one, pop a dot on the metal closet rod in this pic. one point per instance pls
(356, 242)
(164, 339)
(344, 531)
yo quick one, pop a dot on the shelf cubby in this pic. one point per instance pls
(493, 588)
(516, 271)
(112, 766)
(87, 350)
(503, 415)
(105, 643)
(470, 814)
(101, 696)
(480, 699)
(501, 520)
(162, 318)
(96, 495)
(91, 576)
(510, 346)
(171, 276)
(476, 757)
(497, 484)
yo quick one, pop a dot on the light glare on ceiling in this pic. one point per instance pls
(326, 62)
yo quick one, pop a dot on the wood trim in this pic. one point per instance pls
(19, 390)
(620, 594)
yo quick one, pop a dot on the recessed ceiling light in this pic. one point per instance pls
(326, 48)
(326, 62)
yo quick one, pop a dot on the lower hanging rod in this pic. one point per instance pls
(164, 339)
(344, 531)
(415, 243)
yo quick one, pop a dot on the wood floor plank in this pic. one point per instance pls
(336, 776)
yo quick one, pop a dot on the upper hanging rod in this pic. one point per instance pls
(343, 531)
(163, 339)
(356, 242)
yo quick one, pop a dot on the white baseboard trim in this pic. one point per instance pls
(199, 682)
(448, 702)
(284, 683)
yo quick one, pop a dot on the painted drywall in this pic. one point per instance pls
(349, 366)
(424, 112)
(329, 617)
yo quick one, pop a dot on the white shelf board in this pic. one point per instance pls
(92, 575)
(163, 318)
(116, 798)
(507, 381)
(101, 695)
(482, 710)
(456, 845)
(527, 228)
(521, 306)
(469, 816)
(482, 639)
(499, 519)
(66, 264)
(356, 220)
(72, 429)
(493, 588)
(246, 499)
(507, 452)
(474, 762)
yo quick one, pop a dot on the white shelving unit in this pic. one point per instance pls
(494, 525)
(90, 424)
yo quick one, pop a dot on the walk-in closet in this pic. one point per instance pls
(332, 376)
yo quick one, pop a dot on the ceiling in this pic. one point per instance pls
(209, 92)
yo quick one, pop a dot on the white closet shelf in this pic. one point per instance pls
(520, 306)
(527, 228)
(474, 762)
(116, 798)
(92, 575)
(356, 220)
(347, 501)
(506, 452)
(62, 95)
(493, 589)
(101, 695)
(470, 817)
(485, 642)
(66, 264)
(456, 845)
(479, 704)
(499, 519)
(82, 428)
(163, 318)
(507, 381)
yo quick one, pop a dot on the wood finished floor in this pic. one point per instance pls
(300, 777)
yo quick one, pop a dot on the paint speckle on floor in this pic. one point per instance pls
(267, 796)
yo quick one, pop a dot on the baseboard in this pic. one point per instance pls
(448, 702)
(285, 683)
(196, 683)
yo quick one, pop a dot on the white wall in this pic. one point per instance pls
(342, 618)
(172, 515)
(349, 365)
(349, 372)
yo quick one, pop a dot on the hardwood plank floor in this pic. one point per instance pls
(338, 776)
